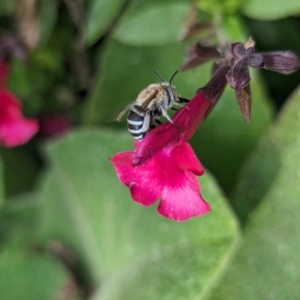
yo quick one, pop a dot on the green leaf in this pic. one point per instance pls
(6, 7)
(234, 28)
(20, 170)
(47, 72)
(27, 275)
(101, 14)
(219, 7)
(268, 263)
(26, 271)
(155, 24)
(121, 243)
(253, 185)
(48, 17)
(19, 220)
(270, 9)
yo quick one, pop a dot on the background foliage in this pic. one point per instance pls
(68, 228)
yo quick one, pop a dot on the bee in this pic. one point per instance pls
(151, 103)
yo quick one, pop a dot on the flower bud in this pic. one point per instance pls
(237, 50)
(244, 100)
(285, 62)
(238, 77)
(256, 61)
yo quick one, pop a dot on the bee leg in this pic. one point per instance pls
(165, 114)
(146, 124)
(184, 100)
(158, 122)
(174, 108)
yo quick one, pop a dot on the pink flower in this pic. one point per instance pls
(170, 175)
(164, 166)
(15, 129)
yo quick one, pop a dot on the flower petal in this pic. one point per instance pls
(145, 193)
(122, 163)
(15, 132)
(141, 180)
(186, 158)
(15, 129)
(9, 101)
(183, 202)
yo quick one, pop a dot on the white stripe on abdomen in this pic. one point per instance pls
(136, 123)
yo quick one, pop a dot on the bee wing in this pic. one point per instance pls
(118, 116)
(149, 98)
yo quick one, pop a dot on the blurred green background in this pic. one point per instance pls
(69, 229)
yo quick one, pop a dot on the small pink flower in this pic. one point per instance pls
(54, 126)
(15, 129)
(164, 166)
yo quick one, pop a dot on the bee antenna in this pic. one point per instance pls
(173, 76)
(161, 79)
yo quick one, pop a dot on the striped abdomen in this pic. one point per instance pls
(138, 122)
